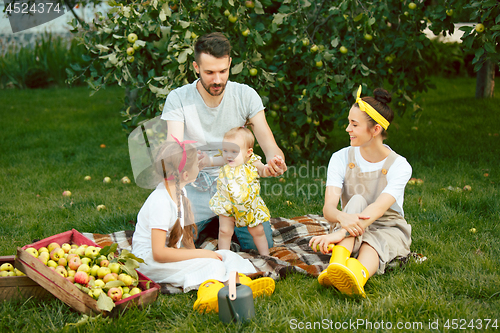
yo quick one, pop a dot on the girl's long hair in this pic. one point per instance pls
(167, 163)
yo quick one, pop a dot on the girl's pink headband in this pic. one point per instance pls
(184, 155)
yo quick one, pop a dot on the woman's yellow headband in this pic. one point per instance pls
(371, 111)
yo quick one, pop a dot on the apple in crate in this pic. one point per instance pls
(74, 263)
(109, 277)
(57, 254)
(82, 278)
(52, 246)
(92, 252)
(32, 251)
(115, 294)
(115, 267)
(102, 272)
(44, 257)
(62, 271)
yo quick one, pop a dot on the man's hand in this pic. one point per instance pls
(275, 167)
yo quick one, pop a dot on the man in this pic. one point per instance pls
(205, 110)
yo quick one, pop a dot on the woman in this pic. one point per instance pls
(369, 179)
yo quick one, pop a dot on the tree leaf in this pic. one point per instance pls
(105, 303)
(278, 18)
(237, 69)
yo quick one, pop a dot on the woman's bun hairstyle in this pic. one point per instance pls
(380, 100)
(382, 95)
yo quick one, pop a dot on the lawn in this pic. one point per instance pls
(51, 140)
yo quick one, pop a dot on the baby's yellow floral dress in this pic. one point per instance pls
(238, 194)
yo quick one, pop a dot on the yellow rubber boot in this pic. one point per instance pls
(207, 296)
(339, 256)
(260, 286)
(349, 279)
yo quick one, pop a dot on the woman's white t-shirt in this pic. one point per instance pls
(397, 176)
(158, 212)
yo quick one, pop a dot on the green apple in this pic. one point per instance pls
(66, 193)
(52, 263)
(99, 283)
(314, 48)
(106, 180)
(32, 251)
(86, 260)
(83, 268)
(316, 122)
(412, 5)
(125, 278)
(305, 42)
(126, 290)
(100, 207)
(71, 272)
(18, 272)
(480, 27)
(319, 63)
(102, 272)
(309, 120)
(87, 178)
(449, 12)
(232, 18)
(52, 246)
(130, 51)
(368, 37)
(43, 249)
(137, 46)
(125, 295)
(227, 12)
(115, 267)
(246, 32)
(132, 38)
(135, 291)
(91, 252)
(6, 267)
(249, 4)
(253, 71)
(343, 49)
(94, 269)
(66, 247)
(44, 257)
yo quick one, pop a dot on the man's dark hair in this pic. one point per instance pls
(215, 44)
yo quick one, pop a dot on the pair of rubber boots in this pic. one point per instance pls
(346, 274)
(207, 292)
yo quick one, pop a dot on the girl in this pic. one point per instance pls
(163, 237)
(238, 201)
(370, 179)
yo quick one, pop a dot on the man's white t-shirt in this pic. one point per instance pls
(208, 125)
(397, 176)
(158, 212)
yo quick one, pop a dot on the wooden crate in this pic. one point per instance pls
(67, 291)
(19, 287)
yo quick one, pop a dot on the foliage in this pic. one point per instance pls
(483, 39)
(40, 65)
(310, 55)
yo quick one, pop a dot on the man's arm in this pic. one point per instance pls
(175, 128)
(266, 140)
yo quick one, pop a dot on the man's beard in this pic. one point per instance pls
(207, 88)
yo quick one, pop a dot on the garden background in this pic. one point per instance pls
(52, 139)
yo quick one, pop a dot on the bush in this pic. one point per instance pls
(40, 65)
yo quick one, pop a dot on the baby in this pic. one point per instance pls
(238, 201)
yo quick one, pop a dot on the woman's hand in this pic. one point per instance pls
(352, 223)
(322, 242)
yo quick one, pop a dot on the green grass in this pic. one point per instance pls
(50, 141)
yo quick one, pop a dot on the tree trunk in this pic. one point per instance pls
(485, 80)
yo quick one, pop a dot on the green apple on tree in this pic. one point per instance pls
(232, 18)
(479, 27)
(253, 71)
(249, 4)
(314, 48)
(412, 5)
(132, 38)
(130, 51)
(343, 49)
(368, 37)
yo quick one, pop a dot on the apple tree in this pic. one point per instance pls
(306, 58)
(483, 41)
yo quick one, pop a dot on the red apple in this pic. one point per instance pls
(74, 262)
(81, 277)
(115, 294)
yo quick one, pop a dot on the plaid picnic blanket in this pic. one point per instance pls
(291, 252)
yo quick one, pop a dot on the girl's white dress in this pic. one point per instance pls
(160, 212)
